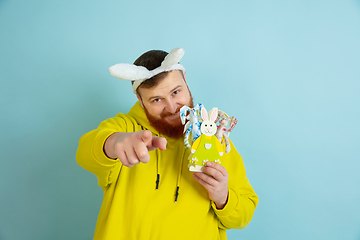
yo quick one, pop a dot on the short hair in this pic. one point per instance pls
(151, 60)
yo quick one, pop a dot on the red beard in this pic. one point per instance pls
(175, 129)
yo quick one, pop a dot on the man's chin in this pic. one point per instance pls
(173, 129)
(170, 130)
(173, 121)
(169, 126)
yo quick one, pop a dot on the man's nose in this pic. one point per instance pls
(171, 106)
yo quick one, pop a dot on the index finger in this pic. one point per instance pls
(218, 167)
(158, 142)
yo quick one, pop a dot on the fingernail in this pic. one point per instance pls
(209, 164)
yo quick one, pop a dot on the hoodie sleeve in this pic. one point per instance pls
(90, 154)
(242, 199)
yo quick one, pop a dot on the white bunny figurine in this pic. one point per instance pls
(207, 147)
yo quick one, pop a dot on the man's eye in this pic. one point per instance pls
(156, 100)
(176, 92)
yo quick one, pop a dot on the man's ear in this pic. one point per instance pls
(184, 76)
(139, 98)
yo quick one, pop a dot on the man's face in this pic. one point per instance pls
(162, 103)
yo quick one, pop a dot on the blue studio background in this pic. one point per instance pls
(288, 70)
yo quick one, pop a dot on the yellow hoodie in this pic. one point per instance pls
(161, 199)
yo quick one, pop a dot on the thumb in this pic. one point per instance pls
(146, 136)
(159, 142)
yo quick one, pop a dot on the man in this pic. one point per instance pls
(141, 163)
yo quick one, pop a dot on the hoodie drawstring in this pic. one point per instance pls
(179, 177)
(178, 183)
(157, 169)
(157, 181)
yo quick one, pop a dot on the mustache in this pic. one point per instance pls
(167, 114)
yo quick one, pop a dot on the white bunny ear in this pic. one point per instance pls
(129, 72)
(173, 58)
(213, 114)
(204, 114)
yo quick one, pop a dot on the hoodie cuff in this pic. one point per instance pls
(98, 148)
(229, 207)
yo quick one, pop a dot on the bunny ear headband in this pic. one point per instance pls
(138, 74)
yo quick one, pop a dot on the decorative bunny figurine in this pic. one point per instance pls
(207, 147)
(193, 125)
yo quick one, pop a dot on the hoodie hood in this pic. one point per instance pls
(138, 113)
